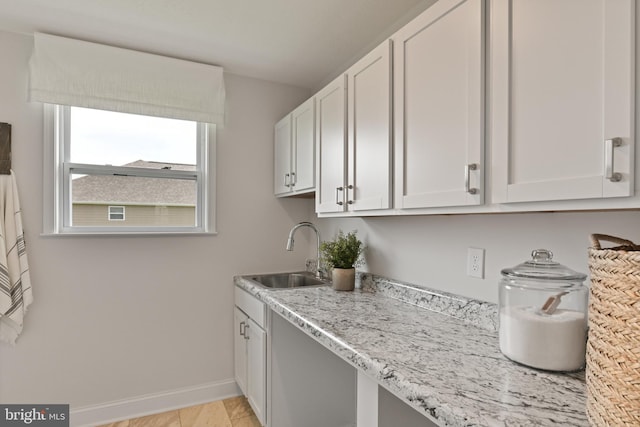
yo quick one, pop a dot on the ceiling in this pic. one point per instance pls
(298, 42)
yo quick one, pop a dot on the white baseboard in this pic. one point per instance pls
(139, 406)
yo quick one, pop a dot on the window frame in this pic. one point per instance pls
(58, 169)
(110, 213)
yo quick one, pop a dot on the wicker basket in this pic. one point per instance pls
(613, 349)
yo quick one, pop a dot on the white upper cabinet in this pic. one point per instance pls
(294, 165)
(331, 147)
(438, 99)
(369, 132)
(282, 156)
(562, 99)
(303, 147)
(545, 87)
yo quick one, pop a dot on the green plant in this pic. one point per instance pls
(343, 252)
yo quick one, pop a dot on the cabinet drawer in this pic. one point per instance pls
(251, 306)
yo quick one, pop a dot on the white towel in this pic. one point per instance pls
(15, 283)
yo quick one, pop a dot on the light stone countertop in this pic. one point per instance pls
(450, 368)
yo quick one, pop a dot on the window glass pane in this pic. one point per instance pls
(106, 137)
(147, 201)
(116, 213)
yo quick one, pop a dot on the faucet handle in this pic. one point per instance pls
(311, 265)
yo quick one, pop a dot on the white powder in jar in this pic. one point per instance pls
(556, 342)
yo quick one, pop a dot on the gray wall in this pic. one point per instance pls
(119, 317)
(432, 250)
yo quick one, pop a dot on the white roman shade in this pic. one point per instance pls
(83, 74)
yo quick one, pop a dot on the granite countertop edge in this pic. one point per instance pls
(436, 398)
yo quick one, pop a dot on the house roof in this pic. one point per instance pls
(126, 190)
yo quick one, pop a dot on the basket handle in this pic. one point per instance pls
(595, 240)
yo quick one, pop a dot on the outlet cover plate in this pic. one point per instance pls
(475, 263)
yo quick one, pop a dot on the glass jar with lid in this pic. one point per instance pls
(543, 314)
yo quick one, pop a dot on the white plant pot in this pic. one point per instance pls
(344, 279)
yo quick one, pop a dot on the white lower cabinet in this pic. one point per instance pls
(250, 351)
(240, 321)
(256, 369)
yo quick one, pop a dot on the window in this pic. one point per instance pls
(104, 163)
(116, 213)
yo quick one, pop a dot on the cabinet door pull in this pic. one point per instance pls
(286, 180)
(467, 178)
(350, 201)
(294, 179)
(609, 146)
(242, 328)
(246, 335)
(338, 201)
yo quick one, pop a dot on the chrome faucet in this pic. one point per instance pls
(290, 243)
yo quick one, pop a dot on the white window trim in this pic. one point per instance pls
(55, 216)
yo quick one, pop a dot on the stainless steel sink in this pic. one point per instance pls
(287, 280)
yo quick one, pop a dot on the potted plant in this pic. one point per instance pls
(343, 254)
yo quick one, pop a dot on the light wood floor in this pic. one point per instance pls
(234, 412)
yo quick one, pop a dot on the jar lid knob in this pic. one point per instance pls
(541, 255)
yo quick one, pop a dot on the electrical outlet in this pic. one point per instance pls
(475, 262)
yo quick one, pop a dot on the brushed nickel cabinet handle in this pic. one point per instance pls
(609, 171)
(467, 178)
(338, 201)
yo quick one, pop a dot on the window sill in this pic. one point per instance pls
(128, 233)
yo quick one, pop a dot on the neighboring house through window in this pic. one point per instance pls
(116, 213)
(107, 163)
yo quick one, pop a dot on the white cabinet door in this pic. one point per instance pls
(282, 157)
(438, 88)
(240, 348)
(369, 123)
(257, 369)
(303, 147)
(331, 151)
(562, 85)
(294, 152)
